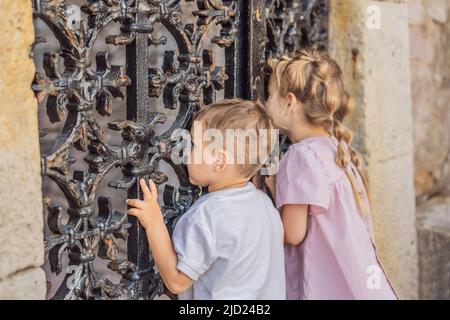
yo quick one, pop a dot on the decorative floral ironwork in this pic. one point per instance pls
(73, 90)
(294, 24)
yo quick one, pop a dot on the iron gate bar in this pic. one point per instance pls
(138, 102)
(251, 31)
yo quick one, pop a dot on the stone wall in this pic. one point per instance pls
(430, 71)
(375, 58)
(21, 225)
(430, 74)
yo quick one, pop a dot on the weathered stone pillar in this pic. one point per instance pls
(370, 39)
(21, 224)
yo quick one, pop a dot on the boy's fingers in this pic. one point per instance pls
(133, 212)
(145, 189)
(135, 203)
(153, 188)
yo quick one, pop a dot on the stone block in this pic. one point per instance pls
(21, 222)
(25, 285)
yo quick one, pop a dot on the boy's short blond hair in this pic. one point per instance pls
(240, 114)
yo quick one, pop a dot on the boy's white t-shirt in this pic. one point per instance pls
(230, 242)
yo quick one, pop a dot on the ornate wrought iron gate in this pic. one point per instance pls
(250, 32)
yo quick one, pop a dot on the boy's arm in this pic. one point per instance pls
(166, 258)
(149, 214)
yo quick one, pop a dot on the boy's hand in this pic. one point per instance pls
(147, 211)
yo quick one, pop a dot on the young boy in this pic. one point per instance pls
(229, 244)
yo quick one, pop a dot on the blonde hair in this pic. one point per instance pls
(317, 82)
(239, 114)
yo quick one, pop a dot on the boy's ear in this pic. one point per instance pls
(221, 161)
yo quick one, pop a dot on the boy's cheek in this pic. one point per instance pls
(193, 181)
(197, 175)
(191, 173)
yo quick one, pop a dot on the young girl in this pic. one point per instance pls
(320, 189)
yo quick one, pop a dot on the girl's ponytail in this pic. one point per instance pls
(317, 81)
(346, 155)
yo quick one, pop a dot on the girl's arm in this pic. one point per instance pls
(149, 214)
(294, 217)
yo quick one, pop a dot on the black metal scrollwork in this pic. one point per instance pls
(74, 90)
(294, 24)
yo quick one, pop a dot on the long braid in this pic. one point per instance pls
(346, 155)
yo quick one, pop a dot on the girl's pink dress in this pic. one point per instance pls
(337, 259)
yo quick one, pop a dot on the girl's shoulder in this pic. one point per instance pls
(312, 150)
(301, 159)
(302, 177)
(316, 153)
